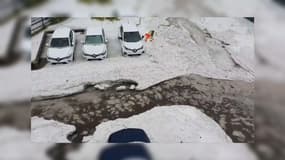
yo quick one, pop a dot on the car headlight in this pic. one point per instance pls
(59, 59)
(140, 48)
(66, 57)
(127, 48)
(102, 53)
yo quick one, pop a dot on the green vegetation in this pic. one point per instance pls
(106, 18)
(33, 3)
(96, 1)
(55, 20)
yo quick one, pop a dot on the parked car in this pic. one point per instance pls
(129, 135)
(62, 46)
(131, 40)
(95, 44)
(125, 151)
(127, 146)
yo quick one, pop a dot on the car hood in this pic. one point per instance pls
(133, 45)
(94, 49)
(59, 52)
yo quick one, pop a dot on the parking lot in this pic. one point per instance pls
(179, 47)
(113, 45)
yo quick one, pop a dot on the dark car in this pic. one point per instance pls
(125, 151)
(129, 135)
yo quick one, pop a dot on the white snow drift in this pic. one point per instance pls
(16, 144)
(168, 124)
(49, 130)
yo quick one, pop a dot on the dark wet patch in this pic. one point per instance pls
(269, 120)
(59, 151)
(229, 103)
(39, 64)
(16, 115)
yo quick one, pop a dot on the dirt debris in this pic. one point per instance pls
(229, 103)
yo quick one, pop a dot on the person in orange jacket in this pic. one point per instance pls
(149, 36)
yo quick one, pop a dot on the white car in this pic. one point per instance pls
(131, 40)
(95, 44)
(61, 47)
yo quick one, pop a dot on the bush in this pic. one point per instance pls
(32, 3)
(106, 18)
(55, 20)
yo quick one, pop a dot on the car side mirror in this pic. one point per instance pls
(142, 37)
(106, 41)
(120, 38)
(47, 45)
(82, 42)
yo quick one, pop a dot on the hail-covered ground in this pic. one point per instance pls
(220, 48)
(223, 7)
(168, 124)
(49, 130)
(16, 144)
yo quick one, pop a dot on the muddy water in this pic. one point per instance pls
(229, 103)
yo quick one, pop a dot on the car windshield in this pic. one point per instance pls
(132, 36)
(96, 39)
(59, 42)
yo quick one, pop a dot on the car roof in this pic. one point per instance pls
(129, 27)
(125, 150)
(61, 32)
(94, 31)
(129, 135)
